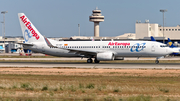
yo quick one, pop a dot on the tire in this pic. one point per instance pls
(157, 61)
(89, 60)
(96, 61)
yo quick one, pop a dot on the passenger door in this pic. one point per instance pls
(153, 47)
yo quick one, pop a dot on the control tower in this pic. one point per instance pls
(96, 18)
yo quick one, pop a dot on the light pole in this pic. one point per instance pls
(4, 12)
(2, 28)
(79, 28)
(163, 10)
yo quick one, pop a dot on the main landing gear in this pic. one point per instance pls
(96, 61)
(91, 61)
(157, 61)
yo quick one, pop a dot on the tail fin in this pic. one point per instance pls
(170, 44)
(152, 38)
(29, 31)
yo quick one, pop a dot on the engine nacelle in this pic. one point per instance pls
(107, 56)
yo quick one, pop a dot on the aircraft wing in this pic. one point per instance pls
(76, 51)
(82, 52)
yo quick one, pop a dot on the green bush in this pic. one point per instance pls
(116, 90)
(61, 88)
(164, 90)
(1, 87)
(90, 86)
(24, 85)
(45, 88)
(14, 87)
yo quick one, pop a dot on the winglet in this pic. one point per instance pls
(152, 38)
(48, 43)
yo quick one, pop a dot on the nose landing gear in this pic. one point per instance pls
(157, 61)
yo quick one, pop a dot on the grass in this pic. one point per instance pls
(89, 88)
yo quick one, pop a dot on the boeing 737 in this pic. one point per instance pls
(97, 50)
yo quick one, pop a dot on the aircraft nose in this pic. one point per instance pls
(170, 50)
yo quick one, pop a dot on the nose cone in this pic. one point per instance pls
(170, 50)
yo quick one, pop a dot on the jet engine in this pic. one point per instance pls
(107, 56)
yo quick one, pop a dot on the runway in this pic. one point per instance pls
(7, 63)
(93, 65)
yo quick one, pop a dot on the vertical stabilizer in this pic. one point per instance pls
(170, 43)
(30, 33)
(152, 38)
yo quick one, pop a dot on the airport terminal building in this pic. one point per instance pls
(147, 29)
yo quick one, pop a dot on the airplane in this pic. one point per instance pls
(175, 48)
(97, 50)
(171, 45)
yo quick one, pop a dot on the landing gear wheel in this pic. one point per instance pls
(96, 61)
(157, 61)
(89, 60)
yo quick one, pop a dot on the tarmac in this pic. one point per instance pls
(91, 65)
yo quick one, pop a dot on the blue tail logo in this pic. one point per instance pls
(170, 43)
(152, 38)
(27, 35)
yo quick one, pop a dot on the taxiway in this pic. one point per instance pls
(93, 65)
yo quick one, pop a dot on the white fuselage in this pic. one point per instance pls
(119, 48)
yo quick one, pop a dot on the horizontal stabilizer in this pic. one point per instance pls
(27, 44)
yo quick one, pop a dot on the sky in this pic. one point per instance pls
(60, 18)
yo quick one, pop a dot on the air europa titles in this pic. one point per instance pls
(28, 25)
(118, 44)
